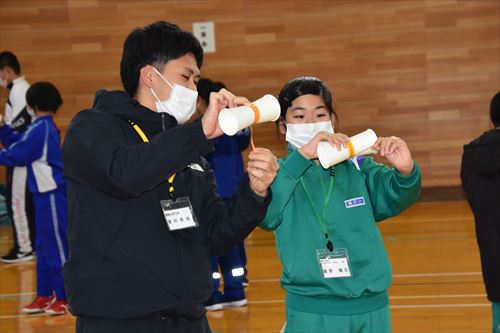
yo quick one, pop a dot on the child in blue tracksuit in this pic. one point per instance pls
(38, 148)
(227, 164)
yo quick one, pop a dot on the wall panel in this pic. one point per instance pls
(424, 70)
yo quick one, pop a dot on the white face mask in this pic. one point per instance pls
(31, 112)
(181, 104)
(300, 134)
(4, 83)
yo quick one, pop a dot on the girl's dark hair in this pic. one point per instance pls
(44, 96)
(305, 85)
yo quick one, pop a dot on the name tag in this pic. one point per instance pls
(354, 202)
(179, 214)
(334, 264)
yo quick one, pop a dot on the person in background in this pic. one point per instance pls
(39, 149)
(227, 163)
(480, 174)
(336, 271)
(19, 201)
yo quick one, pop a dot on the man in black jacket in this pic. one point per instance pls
(143, 212)
(481, 181)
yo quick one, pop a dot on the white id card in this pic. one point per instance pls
(334, 264)
(179, 214)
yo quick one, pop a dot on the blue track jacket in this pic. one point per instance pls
(38, 148)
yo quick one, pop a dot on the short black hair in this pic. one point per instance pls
(495, 109)
(206, 86)
(155, 45)
(9, 59)
(304, 85)
(43, 96)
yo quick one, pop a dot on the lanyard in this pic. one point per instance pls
(320, 218)
(145, 139)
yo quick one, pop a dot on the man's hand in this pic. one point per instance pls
(397, 153)
(218, 101)
(262, 168)
(2, 122)
(310, 150)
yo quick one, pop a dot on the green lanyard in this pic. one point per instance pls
(320, 218)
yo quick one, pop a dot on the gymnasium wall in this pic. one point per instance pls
(423, 70)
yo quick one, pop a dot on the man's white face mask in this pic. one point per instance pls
(300, 134)
(181, 104)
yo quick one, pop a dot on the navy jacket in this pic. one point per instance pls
(480, 175)
(124, 262)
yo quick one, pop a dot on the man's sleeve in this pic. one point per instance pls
(230, 222)
(96, 149)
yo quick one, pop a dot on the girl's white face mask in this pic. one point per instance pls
(299, 135)
(181, 104)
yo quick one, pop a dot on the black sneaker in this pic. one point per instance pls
(15, 256)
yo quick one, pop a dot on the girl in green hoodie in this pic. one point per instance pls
(336, 271)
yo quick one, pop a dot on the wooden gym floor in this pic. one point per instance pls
(437, 283)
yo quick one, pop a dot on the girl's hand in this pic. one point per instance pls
(310, 150)
(397, 153)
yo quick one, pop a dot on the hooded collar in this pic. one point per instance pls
(488, 138)
(121, 105)
(483, 153)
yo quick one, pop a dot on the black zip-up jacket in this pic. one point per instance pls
(124, 262)
(481, 181)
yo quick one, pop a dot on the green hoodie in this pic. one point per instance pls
(351, 225)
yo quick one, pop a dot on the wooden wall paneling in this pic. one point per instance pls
(421, 70)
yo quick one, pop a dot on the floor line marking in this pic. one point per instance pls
(400, 275)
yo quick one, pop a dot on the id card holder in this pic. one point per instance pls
(178, 214)
(334, 264)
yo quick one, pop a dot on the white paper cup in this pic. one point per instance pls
(329, 155)
(266, 108)
(368, 151)
(363, 141)
(360, 145)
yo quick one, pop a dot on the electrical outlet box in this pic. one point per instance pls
(205, 33)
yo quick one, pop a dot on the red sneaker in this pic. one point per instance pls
(39, 304)
(57, 308)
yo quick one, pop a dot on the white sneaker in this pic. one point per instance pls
(234, 303)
